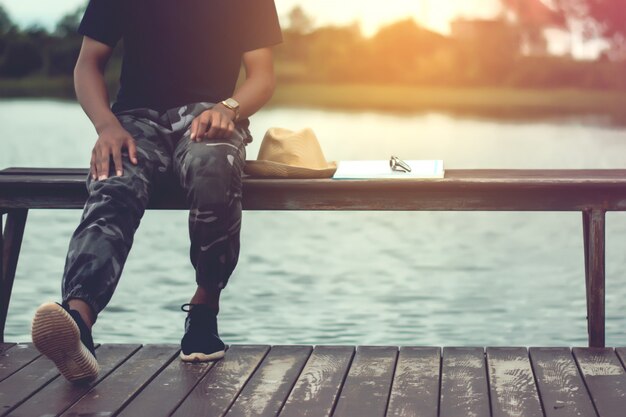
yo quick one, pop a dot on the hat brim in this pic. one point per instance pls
(269, 169)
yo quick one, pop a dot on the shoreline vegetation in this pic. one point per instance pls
(497, 68)
(491, 102)
(504, 103)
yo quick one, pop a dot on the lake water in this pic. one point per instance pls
(401, 278)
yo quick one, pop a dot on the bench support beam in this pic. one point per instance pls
(594, 243)
(10, 243)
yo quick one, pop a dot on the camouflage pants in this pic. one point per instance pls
(209, 172)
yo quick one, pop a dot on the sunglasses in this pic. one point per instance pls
(397, 164)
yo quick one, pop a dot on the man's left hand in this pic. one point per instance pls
(215, 123)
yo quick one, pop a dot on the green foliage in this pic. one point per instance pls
(609, 16)
(68, 25)
(299, 21)
(62, 58)
(481, 53)
(21, 57)
(5, 21)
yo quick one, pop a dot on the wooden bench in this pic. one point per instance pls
(591, 192)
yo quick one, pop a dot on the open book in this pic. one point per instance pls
(380, 169)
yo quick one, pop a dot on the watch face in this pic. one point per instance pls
(231, 103)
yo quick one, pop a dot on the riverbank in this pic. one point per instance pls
(505, 103)
(489, 102)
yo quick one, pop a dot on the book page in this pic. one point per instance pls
(381, 169)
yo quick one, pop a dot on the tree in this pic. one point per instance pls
(532, 17)
(21, 57)
(602, 18)
(68, 24)
(609, 16)
(403, 51)
(299, 21)
(5, 21)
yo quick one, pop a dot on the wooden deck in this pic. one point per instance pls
(295, 380)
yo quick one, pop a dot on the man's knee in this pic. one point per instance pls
(130, 190)
(212, 178)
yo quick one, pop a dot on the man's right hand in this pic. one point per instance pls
(110, 141)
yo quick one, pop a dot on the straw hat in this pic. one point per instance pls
(288, 154)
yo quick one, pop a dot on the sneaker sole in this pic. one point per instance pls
(201, 357)
(57, 336)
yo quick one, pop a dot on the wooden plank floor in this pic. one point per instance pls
(296, 380)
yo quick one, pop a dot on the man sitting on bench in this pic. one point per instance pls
(177, 113)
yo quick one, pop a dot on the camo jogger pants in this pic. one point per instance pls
(209, 172)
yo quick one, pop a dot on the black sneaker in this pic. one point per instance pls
(201, 341)
(61, 334)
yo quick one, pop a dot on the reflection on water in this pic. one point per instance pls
(425, 278)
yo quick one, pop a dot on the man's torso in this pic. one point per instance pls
(178, 52)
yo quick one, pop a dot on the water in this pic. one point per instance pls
(405, 278)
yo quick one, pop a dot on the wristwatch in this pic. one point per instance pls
(231, 103)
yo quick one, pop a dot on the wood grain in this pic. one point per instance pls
(270, 385)
(415, 389)
(57, 396)
(165, 392)
(110, 395)
(216, 392)
(605, 378)
(326, 381)
(561, 387)
(24, 382)
(464, 391)
(367, 387)
(512, 384)
(317, 389)
(15, 358)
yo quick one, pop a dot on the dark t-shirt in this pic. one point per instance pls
(178, 52)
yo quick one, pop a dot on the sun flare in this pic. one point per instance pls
(433, 14)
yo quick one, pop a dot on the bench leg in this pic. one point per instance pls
(594, 243)
(10, 244)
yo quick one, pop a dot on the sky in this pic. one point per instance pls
(433, 14)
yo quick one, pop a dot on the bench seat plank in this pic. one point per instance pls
(536, 190)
